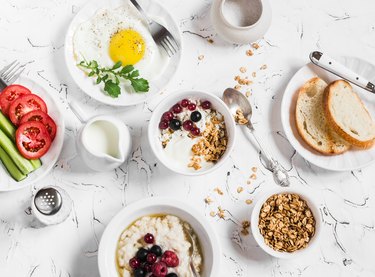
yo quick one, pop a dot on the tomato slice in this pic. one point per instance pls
(9, 94)
(32, 140)
(41, 117)
(24, 105)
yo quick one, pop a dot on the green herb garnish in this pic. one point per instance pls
(111, 77)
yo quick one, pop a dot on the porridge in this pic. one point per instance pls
(157, 246)
(193, 134)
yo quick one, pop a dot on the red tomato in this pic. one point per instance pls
(24, 105)
(41, 117)
(9, 94)
(32, 140)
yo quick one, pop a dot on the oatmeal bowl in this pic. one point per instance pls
(158, 237)
(286, 223)
(192, 133)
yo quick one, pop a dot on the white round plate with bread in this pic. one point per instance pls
(329, 121)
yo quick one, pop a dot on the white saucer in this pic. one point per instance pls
(350, 160)
(155, 11)
(50, 158)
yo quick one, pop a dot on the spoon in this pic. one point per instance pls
(193, 250)
(235, 100)
(48, 201)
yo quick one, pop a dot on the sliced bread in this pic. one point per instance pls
(311, 121)
(347, 114)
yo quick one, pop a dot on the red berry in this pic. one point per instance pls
(134, 263)
(185, 103)
(159, 269)
(151, 258)
(177, 108)
(195, 131)
(170, 259)
(188, 125)
(168, 116)
(192, 107)
(149, 238)
(163, 124)
(148, 267)
(206, 105)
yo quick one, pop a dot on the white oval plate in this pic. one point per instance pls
(158, 13)
(350, 160)
(49, 159)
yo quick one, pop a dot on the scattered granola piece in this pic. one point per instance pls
(237, 87)
(195, 163)
(212, 213)
(243, 69)
(210, 40)
(248, 93)
(249, 201)
(239, 189)
(255, 45)
(208, 200)
(263, 67)
(253, 176)
(236, 78)
(219, 191)
(240, 118)
(245, 227)
(249, 53)
(254, 74)
(221, 212)
(254, 169)
(200, 57)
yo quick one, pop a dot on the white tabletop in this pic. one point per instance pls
(33, 31)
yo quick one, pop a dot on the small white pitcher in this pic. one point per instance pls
(104, 142)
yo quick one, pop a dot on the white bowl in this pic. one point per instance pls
(258, 236)
(165, 105)
(206, 234)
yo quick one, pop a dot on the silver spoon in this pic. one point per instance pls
(192, 250)
(48, 201)
(236, 100)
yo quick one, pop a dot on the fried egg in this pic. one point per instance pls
(113, 35)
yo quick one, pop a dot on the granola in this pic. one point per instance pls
(240, 118)
(286, 222)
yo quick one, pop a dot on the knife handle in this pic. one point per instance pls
(329, 64)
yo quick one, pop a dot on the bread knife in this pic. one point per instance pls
(329, 64)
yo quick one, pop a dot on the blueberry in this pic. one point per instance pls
(175, 124)
(172, 275)
(142, 254)
(195, 116)
(140, 272)
(156, 249)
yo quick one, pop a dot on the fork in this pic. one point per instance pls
(10, 73)
(159, 33)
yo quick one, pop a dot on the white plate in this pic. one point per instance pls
(350, 160)
(50, 158)
(154, 10)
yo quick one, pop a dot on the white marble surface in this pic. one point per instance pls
(33, 31)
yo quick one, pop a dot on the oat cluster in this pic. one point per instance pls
(286, 222)
(213, 143)
(240, 118)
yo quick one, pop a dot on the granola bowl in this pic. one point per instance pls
(192, 132)
(286, 223)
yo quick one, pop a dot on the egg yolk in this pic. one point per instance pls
(127, 46)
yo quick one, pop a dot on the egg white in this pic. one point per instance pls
(92, 38)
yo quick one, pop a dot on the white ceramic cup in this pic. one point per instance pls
(248, 30)
(104, 142)
(311, 203)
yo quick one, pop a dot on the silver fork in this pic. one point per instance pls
(10, 73)
(159, 33)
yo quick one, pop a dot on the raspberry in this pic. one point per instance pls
(170, 259)
(159, 269)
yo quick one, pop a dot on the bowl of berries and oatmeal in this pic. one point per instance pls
(192, 132)
(150, 238)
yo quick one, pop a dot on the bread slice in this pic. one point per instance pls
(311, 121)
(347, 114)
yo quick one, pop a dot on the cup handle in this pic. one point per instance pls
(78, 112)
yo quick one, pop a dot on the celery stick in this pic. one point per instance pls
(36, 163)
(11, 167)
(7, 127)
(23, 164)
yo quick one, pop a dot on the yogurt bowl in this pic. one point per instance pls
(135, 217)
(192, 132)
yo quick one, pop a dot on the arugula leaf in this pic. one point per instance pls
(111, 77)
